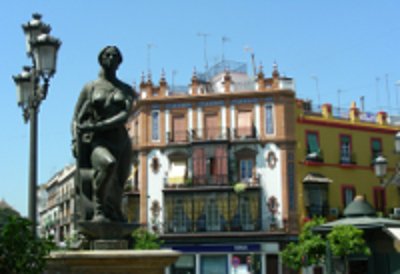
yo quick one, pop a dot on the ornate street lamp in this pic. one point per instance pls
(381, 164)
(32, 85)
(397, 143)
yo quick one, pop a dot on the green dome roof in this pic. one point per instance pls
(359, 207)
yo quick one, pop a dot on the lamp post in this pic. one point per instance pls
(380, 165)
(32, 85)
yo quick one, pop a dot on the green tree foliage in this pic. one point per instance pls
(20, 251)
(347, 240)
(6, 213)
(146, 240)
(343, 240)
(309, 250)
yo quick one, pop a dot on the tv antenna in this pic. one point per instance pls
(397, 84)
(224, 39)
(174, 72)
(253, 59)
(377, 79)
(339, 92)
(204, 35)
(317, 88)
(149, 47)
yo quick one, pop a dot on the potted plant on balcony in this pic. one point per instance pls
(188, 181)
(239, 187)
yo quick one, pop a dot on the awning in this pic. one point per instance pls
(396, 179)
(317, 178)
(394, 232)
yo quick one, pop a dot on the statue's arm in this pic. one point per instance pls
(80, 107)
(116, 120)
(81, 104)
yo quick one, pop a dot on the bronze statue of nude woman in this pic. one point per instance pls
(101, 143)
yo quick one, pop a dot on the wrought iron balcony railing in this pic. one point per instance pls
(242, 133)
(213, 133)
(210, 180)
(178, 136)
(318, 210)
(212, 211)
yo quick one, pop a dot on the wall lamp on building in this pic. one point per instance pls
(380, 166)
(32, 85)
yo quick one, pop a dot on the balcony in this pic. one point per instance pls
(317, 210)
(196, 181)
(210, 211)
(347, 158)
(210, 180)
(175, 137)
(314, 157)
(208, 134)
(244, 133)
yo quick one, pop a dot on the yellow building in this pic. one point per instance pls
(334, 156)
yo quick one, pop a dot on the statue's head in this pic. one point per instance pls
(110, 57)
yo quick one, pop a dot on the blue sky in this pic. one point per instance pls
(347, 45)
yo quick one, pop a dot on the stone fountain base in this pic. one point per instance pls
(110, 261)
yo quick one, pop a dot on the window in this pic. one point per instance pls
(136, 133)
(272, 263)
(312, 142)
(269, 119)
(185, 264)
(178, 127)
(313, 151)
(248, 263)
(246, 170)
(221, 165)
(345, 149)
(177, 172)
(155, 125)
(245, 214)
(376, 147)
(317, 199)
(213, 222)
(211, 126)
(212, 166)
(179, 219)
(348, 194)
(379, 198)
(245, 128)
(199, 166)
(214, 264)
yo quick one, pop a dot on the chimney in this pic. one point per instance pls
(354, 113)
(326, 110)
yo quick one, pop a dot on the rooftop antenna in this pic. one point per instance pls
(339, 91)
(253, 59)
(362, 101)
(224, 40)
(397, 84)
(317, 88)
(174, 72)
(387, 89)
(204, 35)
(377, 91)
(149, 47)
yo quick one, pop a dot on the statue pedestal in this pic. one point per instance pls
(110, 261)
(106, 231)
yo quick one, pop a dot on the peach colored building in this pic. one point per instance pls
(215, 167)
